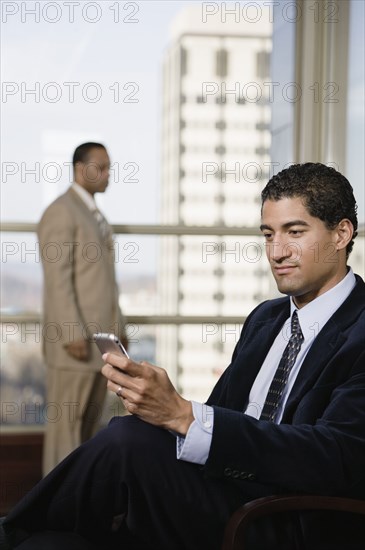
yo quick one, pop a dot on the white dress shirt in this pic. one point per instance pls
(312, 318)
(85, 196)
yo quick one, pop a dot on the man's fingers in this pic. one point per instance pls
(119, 361)
(125, 364)
(117, 378)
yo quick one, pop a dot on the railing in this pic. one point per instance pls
(150, 229)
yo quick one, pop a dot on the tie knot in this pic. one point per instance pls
(295, 326)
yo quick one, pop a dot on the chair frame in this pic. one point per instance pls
(241, 518)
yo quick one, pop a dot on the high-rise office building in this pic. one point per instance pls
(215, 160)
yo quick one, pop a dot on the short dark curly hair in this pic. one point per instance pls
(326, 193)
(81, 153)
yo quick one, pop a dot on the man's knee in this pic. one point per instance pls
(132, 435)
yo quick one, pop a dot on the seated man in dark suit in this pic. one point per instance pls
(287, 416)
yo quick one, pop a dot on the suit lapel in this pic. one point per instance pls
(85, 211)
(325, 346)
(257, 342)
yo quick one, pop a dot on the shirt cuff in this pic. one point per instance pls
(195, 446)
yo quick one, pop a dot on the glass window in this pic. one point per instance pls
(133, 97)
(21, 274)
(23, 374)
(282, 72)
(355, 163)
(82, 89)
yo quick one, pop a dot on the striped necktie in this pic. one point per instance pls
(104, 227)
(278, 383)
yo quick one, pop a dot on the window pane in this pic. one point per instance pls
(21, 273)
(215, 153)
(78, 90)
(204, 351)
(136, 261)
(282, 73)
(22, 374)
(356, 106)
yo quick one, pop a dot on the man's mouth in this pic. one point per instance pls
(284, 269)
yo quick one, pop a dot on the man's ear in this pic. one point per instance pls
(344, 232)
(79, 171)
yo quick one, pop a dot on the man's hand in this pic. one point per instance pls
(124, 340)
(79, 350)
(148, 393)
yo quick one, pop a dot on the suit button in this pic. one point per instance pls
(228, 472)
(251, 477)
(235, 474)
(243, 475)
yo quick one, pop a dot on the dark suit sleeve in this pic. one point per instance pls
(321, 450)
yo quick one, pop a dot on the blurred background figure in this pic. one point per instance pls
(80, 298)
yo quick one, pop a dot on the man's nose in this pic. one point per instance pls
(279, 249)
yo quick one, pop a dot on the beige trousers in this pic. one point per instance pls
(73, 410)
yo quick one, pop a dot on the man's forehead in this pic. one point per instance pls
(285, 211)
(286, 205)
(97, 153)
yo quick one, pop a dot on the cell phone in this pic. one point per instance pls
(109, 343)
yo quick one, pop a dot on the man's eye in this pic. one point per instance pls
(267, 236)
(295, 232)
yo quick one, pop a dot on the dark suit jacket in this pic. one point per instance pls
(319, 446)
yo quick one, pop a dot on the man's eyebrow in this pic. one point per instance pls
(285, 225)
(264, 226)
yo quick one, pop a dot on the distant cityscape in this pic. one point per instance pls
(22, 373)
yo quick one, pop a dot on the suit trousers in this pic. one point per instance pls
(125, 487)
(74, 406)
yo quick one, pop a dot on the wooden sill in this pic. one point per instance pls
(20, 465)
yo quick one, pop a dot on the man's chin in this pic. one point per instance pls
(102, 188)
(288, 288)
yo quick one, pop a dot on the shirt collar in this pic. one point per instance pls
(85, 196)
(313, 316)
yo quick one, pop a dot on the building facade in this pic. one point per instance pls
(216, 113)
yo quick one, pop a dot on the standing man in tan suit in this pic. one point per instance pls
(80, 298)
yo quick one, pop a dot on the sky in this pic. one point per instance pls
(93, 82)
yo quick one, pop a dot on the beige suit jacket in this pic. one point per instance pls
(80, 291)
